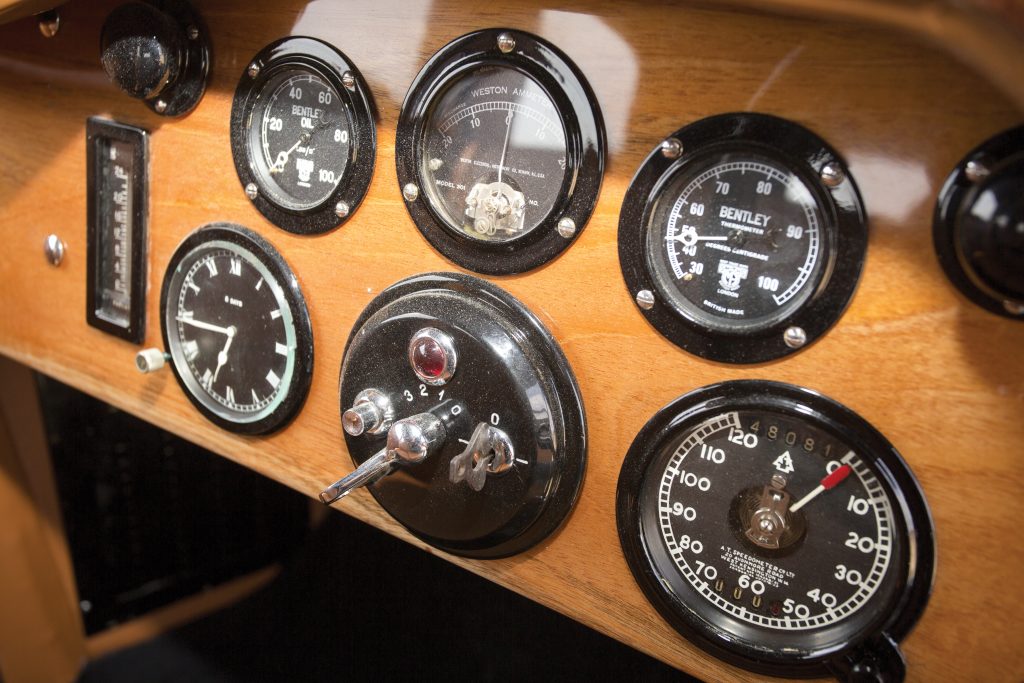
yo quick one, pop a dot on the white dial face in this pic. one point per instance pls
(774, 522)
(231, 331)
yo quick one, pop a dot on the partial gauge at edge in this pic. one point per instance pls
(237, 328)
(778, 530)
(500, 151)
(742, 238)
(303, 135)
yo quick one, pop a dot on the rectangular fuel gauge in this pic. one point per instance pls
(116, 177)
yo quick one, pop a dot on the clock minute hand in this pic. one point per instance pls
(204, 326)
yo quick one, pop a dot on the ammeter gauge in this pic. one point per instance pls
(500, 151)
(236, 327)
(778, 530)
(303, 135)
(742, 238)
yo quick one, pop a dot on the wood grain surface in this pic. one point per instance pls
(943, 380)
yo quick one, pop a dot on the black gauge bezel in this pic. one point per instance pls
(270, 258)
(844, 228)
(911, 516)
(530, 526)
(580, 116)
(957, 192)
(325, 61)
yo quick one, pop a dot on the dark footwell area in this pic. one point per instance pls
(354, 604)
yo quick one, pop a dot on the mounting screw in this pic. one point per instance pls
(410, 192)
(251, 191)
(348, 80)
(506, 43)
(254, 70)
(977, 170)
(832, 175)
(795, 337)
(160, 106)
(54, 250)
(645, 299)
(49, 23)
(193, 32)
(671, 148)
(341, 209)
(566, 227)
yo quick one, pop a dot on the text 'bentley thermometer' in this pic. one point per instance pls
(777, 530)
(742, 238)
(462, 416)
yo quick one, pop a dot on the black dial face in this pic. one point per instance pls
(736, 241)
(775, 528)
(299, 139)
(238, 336)
(494, 154)
(742, 516)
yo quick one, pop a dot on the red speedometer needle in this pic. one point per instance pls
(829, 482)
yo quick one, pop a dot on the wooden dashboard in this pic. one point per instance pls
(942, 379)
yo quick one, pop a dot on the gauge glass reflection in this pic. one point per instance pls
(493, 157)
(299, 139)
(737, 241)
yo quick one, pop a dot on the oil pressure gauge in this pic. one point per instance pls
(500, 151)
(778, 530)
(303, 135)
(742, 238)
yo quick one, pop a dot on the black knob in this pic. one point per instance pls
(141, 49)
(979, 224)
(154, 51)
(990, 232)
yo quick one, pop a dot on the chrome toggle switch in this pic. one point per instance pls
(410, 441)
(489, 451)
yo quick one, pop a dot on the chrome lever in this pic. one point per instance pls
(410, 441)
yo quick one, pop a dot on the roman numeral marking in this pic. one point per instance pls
(212, 267)
(229, 395)
(207, 379)
(275, 314)
(255, 398)
(259, 284)
(273, 379)
(281, 349)
(193, 286)
(191, 349)
(236, 266)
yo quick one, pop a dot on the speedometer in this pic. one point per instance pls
(500, 151)
(742, 238)
(777, 529)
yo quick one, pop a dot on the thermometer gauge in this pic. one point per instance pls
(778, 530)
(742, 238)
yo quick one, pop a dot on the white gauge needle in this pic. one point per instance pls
(829, 482)
(204, 326)
(282, 157)
(504, 147)
(690, 237)
(222, 357)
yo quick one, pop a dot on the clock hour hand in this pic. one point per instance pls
(222, 357)
(205, 326)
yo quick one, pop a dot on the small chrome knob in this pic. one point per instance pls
(151, 360)
(371, 413)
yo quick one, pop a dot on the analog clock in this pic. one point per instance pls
(236, 326)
